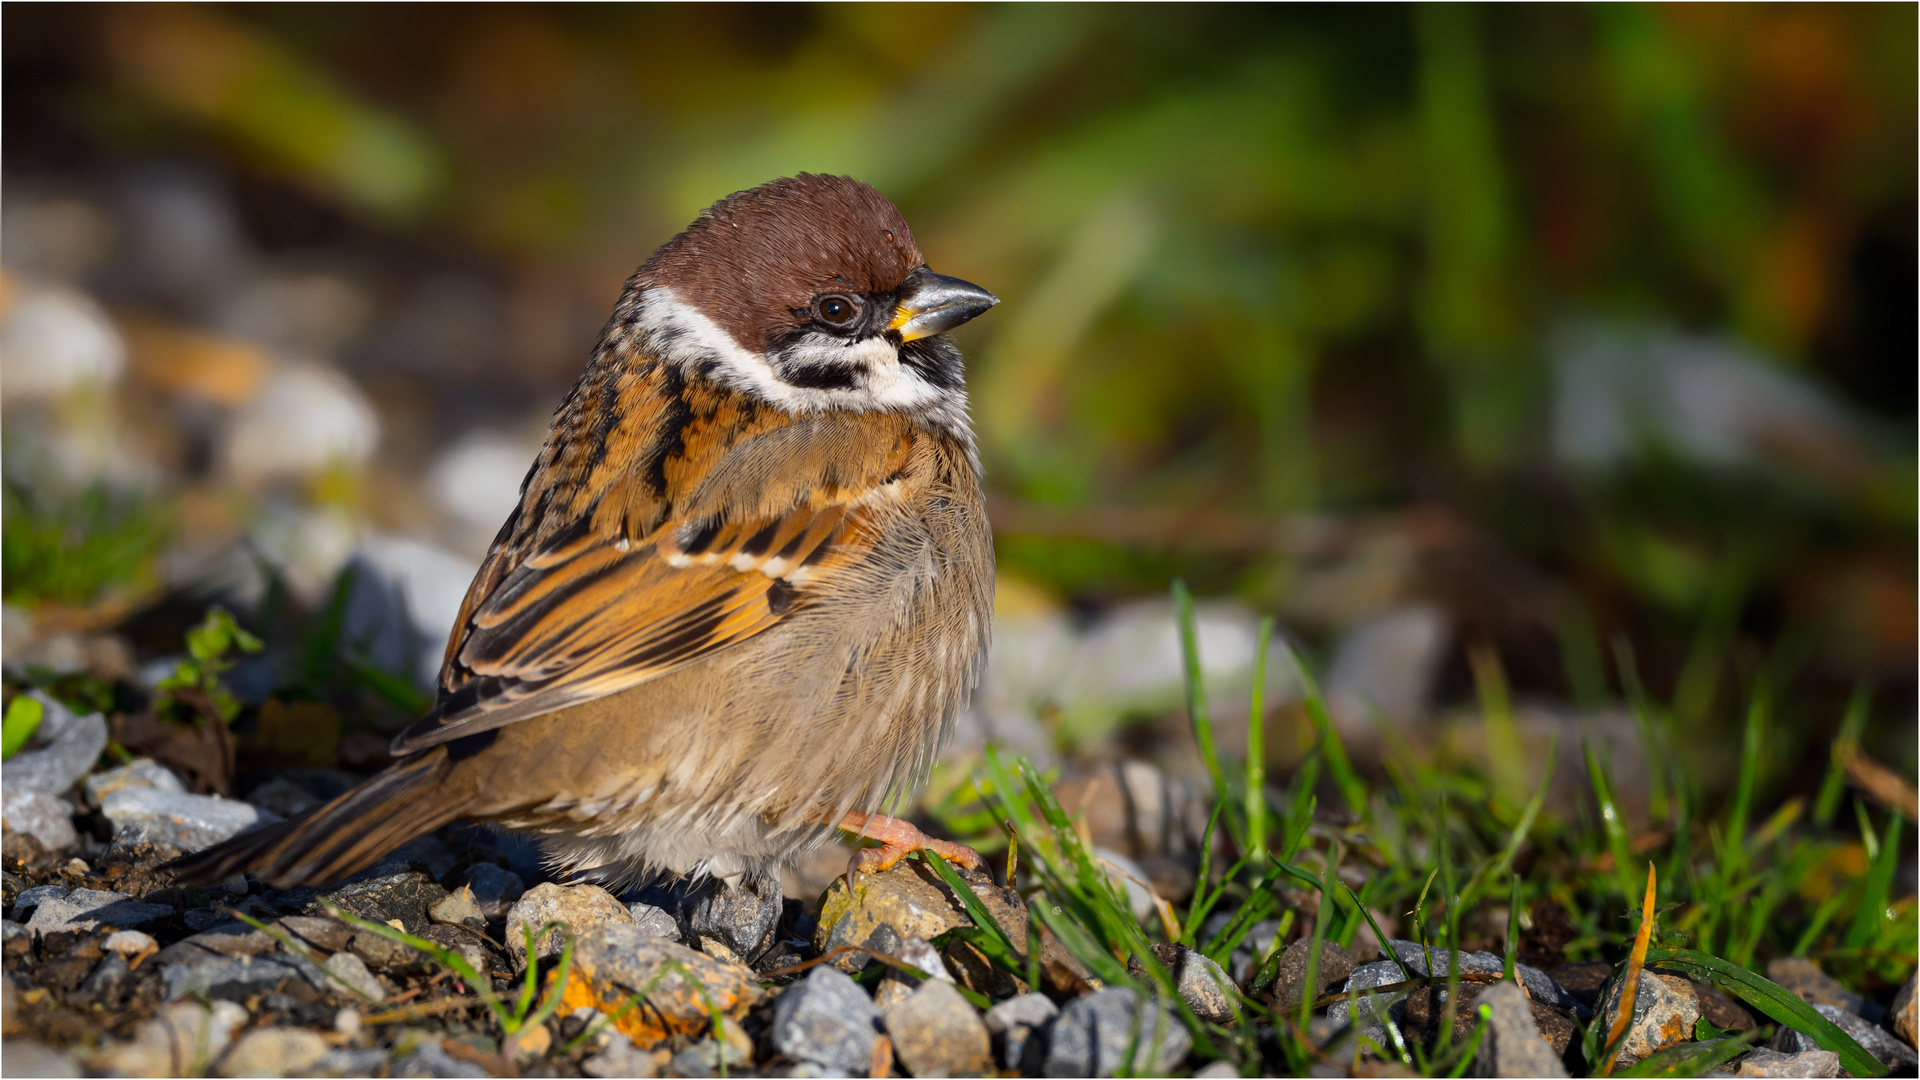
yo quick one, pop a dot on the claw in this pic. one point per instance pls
(898, 839)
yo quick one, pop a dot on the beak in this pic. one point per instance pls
(935, 303)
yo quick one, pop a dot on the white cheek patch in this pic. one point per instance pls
(680, 332)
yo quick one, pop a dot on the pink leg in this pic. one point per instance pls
(898, 839)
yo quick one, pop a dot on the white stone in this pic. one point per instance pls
(308, 418)
(56, 340)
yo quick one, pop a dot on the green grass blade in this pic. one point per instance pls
(1851, 725)
(22, 720)
(1196, 689)
(1751, 741)
(1772, 999)
(983, 920)
(1518, 837)
(1871, 915)
(1311, 986)
(1256, 793)
(1331, 748)
(1610, 820)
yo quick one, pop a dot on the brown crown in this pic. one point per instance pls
(753, 258)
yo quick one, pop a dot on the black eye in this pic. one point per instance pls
(837, 310)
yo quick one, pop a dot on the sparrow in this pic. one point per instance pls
(745, 590)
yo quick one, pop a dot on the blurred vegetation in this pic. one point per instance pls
(1263, 265)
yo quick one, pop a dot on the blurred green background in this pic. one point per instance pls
(1590, 328)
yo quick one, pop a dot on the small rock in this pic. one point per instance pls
(896, 985)
(740, 916)
(1014, 1023)
(188, 822)
(937, 1033)
(583, 908)
(706, 1058)
(1539, 986)
(46, 818)
(1764, 1062)
(140, 772)
(19, 940)
(457, 908)
(393, 888)
(470, 945)
(1200, 982)
(615, 961)
(430, 1058)
(61, 751)
(347, 1021)
(529, 1044)
(23, 1057)
(882, 910)
(1816, 987)
(1872, 1038)
(1582, 981)
(234, 978)
(322, 933)
(88, 909)
(372, 1061)
(274, 1051)
(494, 889)
(1903, 1017)
(352, 971)
(1091, 1035)
(1216, 1070)
(1518, 1047)
(1664, 1012)
(105, 986)
(29, 899)
(1336, 964)
(1721, 1011)
(826, 1019)
(130, 944)
(653, 921)
(183, 1039)
(620, 1058)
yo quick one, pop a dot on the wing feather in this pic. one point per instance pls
(589, 614)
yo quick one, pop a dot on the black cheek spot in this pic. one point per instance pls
(821, 376)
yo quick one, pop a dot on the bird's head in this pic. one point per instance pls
(808, 293)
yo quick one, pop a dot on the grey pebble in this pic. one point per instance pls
(188, 822)
(1542, 988)
(140, 772)
(432, 1059)
(1808, 1063)
(1518, 1049)
(1091, 1035)
(1018, 1025)
(494, 889)
(1872, 1038)
(828, 1020)
(46, 818)
(351, 970)
(233, 978)
(87, 909)
(61, 751)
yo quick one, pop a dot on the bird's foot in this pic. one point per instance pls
(898, 839)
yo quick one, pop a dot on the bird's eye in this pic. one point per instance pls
(837, 310)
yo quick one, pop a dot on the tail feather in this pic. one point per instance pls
(341, 838)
